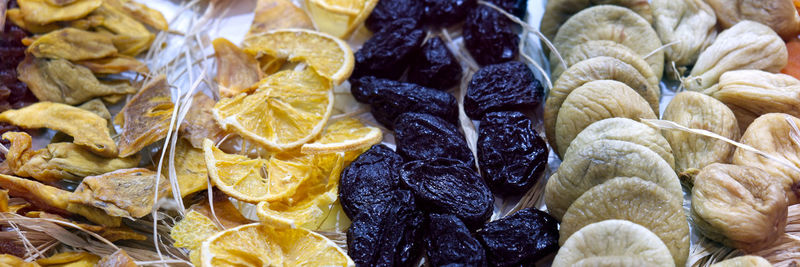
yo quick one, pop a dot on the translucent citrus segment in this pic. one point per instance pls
(192, 230)
(339, 17)
(342, 136)
(331, 57)
(288, 109)
(261, 245)
(336, 220)
(238, 176)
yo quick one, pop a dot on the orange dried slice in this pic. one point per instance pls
(339, 17)
(342, 136)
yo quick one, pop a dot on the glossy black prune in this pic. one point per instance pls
(501, 87)
(369, 180)
(389, 99)
(444, 13)
(386, 54)
(490, 36)
(435, 66)
(388, 11)
(521, 238)
(446, 186)
(448, 242)
(515, 7)
(423, 136)
(511, 154)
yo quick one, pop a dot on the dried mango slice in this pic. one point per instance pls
(4, 200)
(109, 233)
(23, 161)
(123, 193)
(11, 260)
(236, 70)
(142, 13)
(339, 17)
(130, 36)
(114, 65)
(190, 168)
(343, 135)
(16, 17)
(117, 259)
(278, 14)
(72, 44)
(95, 106)
(199, 122)
(87, 129)
(41, 12)
(71, 259)
(145, 118)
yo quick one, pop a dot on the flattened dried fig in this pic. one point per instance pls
(780, 15)
(613, 243)
(752, 93)
(624, 129)
(558, 11)
(748, 260)
(595, 101)
(689, 22)
(738, 206)
(600, 48)
(692, 151)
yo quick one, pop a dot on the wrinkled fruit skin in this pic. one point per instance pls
(506, 86)
(524, 237)
(434, 66)
(511, 154)
(390, 99)
(516, 7)
(386, 54)
(422, 136)
(369, 180)
(387, 234)
(489, 36)
(445, 186)
(388, 11)
(448, 242)
(444, 13)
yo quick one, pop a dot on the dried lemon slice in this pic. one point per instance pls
(343, 135)
(331, 57)
(339, 17)
(288, 109)
(260, 245)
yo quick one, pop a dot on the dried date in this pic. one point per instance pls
(448, 242)
(369, 180)
(388, 11)
(389, 99)
(511, 154)
(500, 87)
(422, 136)
(444, 13)
(489, 36)
(524, 237)
(386, 54)
(435, 66)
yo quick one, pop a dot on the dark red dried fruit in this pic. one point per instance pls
(435, 66)
(502, 87)
(445, 186)
(14, 94)
(369, 180)
(524, 237)
(389, 99)
(490, 36)
(444, 13)
(515, 7)
(387, 53)
(388, 11)
(511, 154)
(423, 136)
(448, 242)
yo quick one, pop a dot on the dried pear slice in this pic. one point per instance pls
(72, 44)
(88, 129)
(595, 101)
(635, 200)
(624, 129)
(41, 12)
(752, 93)
(559, 11)
(613, 243)
(599, 48)
(145, 118)
(600, 161)
(237, 71)
(123, 193)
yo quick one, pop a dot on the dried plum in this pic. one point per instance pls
(511, 153)
(444, 13)
(524, 237)
(389, 99)
(386, 54)
(422, 136)
(435, 66)
(489, 36)
(388, 11)
(505, 86)
(369, 180)
(446, 186)
(448, 242)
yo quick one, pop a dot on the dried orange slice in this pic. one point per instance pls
(288, 109)
(339, 17)
(342, 136)
(261, 245)
(331, 57)
(191, 231)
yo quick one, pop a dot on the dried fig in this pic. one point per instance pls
(613, 243)
(556, 12)
(692, 151)
(780, 15)
(752, 93)
(595, 101)
(746, 45)
(624, 129)
(691, 23)
(738, 206)
(599, 48)
(748, 260)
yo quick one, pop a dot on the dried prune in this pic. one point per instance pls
(489, 36)
(369, 180)
(422, 136)
(389, 99)
(435, 66)
(524, 237)
(448, 242)
(511, 153)
(444, 13)
(505, 86)
(386, 54)
(446, 186)
(388, 11)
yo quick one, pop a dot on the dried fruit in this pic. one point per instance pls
(142, 13)
(502, 87)
(558, 12)
(446, 186)
(70, 259)
(423, 136)
(117, 259)
(613, 243)
(129, 35)
(114, 65)
(490, 36)
(13, 92)
(277, 14)
(337, 17)
(199, 123)
(435, 66)
(122, 193)
(690, 23)
(237, 71)
(342, 136)
(525, 236)
(41, 12)
(624, 129)
(72, 44)
(388, 12)
(511, 154)
(752, 93)
(387, 53)
(145, 118)
(190, 168)
(738, 206)
(605, 48)
(445, 13)
(449, 242)
(390, 99)
(369, 180)
(780, 15)
(748, 260)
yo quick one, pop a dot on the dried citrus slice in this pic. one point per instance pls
(261, 245)
(288, 109)
(339, 17)
(191, 231)
(331, 57)
(343, 135)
